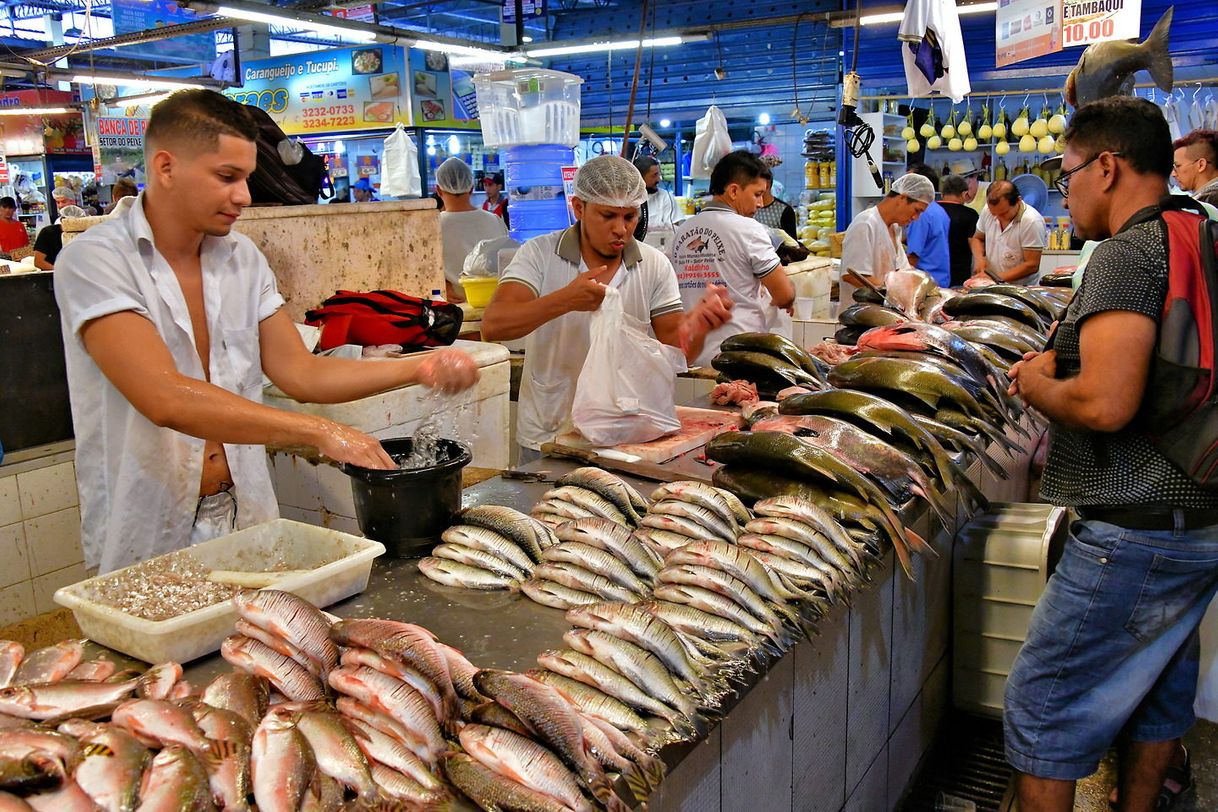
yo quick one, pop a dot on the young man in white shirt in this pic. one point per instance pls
(662, 212)
(169, 322)
(872, 246)
(724, 246)
(462, 225)
(555, 281)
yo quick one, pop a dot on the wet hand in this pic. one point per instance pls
(584, 292)
(447, 370)
(345, 444)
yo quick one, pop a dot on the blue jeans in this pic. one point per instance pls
(1112, 648)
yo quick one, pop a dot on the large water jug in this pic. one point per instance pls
(537, 203)
(528, 106)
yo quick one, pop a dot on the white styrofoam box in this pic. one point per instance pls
(10, 501)
(1002, 562)
(16, 566)
(339, 565)
(53, 541)
(46, 490)
(817, 330)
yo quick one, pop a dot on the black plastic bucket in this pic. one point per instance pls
(407, 510)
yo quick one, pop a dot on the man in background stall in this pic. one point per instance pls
(1010, 236)
(872, 247)
(12, 231)
(363, 191)
(170, 320)
(462, 225)
(775, 212)
(961, 228)
(662, 210)
(1195, 165)
(723, 246)
(926, 238)
(551, 287)
(496, 200)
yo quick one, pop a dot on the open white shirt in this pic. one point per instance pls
(720, 246)
(555, 352)
(139, 483)
(1004, 247)
(872, 248)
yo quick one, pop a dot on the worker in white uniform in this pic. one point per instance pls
(662, 211)
(555, 281)
(1009, 240)
(462, 224)
(169, 321)
(872, 247)
(724, 245)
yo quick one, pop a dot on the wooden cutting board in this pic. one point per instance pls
(698, 426)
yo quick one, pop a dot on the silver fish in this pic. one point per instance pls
(293, 619)
(491, 790)
(700, 494)
(383, 748)
(599, 561)
(228, 770)
(462, 672)
(635, 663)
(555, 512)
(557, 596)
(480, 538)
(289, 677)
(678, 525)
(398, 701)
(716, 604)
(628, 622)
(282, 764)
(661, 542)
(735, 561)
(239, 692)
(577, 577)
(60, 699)
(454, 573)
(525, 761)
(157, 722)
(711, 523)
(595, 702)
(616, 539)
(611, 487)
(158, 681)
(816, 517)
(525, 532)
(406, 789)
(336, 750)
(175, 780)
(11, 653)
(729, 587)
(50, 664)
(480, 559)
(355, 657)
(112, 765)
(277, 644)
(589, 500)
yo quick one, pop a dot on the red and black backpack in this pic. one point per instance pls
(1180, 408)
(385, 317)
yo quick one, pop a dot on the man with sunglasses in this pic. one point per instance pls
(1112, 651)
(1195, 165)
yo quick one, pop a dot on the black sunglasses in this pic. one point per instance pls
(1063, 182)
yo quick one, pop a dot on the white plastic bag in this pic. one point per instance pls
(711, 142)
(627, 389)
(400, 166)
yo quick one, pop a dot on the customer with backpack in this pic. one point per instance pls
(1112, 650)
(170, 319)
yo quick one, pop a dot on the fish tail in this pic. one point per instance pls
(969, 490)
(898, 546)
(1158, 58)
(919, 545)
(637, 782)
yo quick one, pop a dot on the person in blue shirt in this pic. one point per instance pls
(926, 242)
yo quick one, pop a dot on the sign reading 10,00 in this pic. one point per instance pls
(272, 100)
(1088, 32)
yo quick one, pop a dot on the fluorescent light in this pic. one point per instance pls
(763, 119)
(977, 8)
(454, 144)
(355, 35)
(35, 111)
(665, 122)
(134, 81)
(526, 39)
(880, 19)
(599, 47)
(458, 50)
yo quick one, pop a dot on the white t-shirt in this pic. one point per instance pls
(139, 483)
(721, 247)
(940, 17)
(461, 231)
(662, 211)
(554, 353)
(872, 248)
(1004, 247)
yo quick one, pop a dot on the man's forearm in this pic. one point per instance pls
(209, 412)
(338, 380)
(507, 321)
(1063, 401)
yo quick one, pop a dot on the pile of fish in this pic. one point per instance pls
(587, 493)
(770, 362)
(492, 547)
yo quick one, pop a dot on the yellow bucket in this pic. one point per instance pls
(479, 289)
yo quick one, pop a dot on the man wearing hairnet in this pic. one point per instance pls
(462, 225)
(556, 281)
(872, 245)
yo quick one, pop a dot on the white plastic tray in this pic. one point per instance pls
(339, 565)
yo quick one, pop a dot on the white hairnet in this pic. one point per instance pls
(915, 187)
(64, 193)
(454, 176)
(73, 211)
(610, 181)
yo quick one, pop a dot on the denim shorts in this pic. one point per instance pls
(1112, 649)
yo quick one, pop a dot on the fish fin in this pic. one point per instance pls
(1071, 91)
(1158, 57)
(898, 546)
(919, 545)
(638, 784)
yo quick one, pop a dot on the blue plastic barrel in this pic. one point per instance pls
(537, 203)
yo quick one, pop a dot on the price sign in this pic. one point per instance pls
(1088, 21)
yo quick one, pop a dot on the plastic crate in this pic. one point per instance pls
(528, 106)
(339, 566)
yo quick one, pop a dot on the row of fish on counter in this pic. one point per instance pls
(319, 714)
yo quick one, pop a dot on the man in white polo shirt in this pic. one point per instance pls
(724, 245)
(555, 281)
(1010, 236)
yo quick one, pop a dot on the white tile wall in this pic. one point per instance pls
(39, 537)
